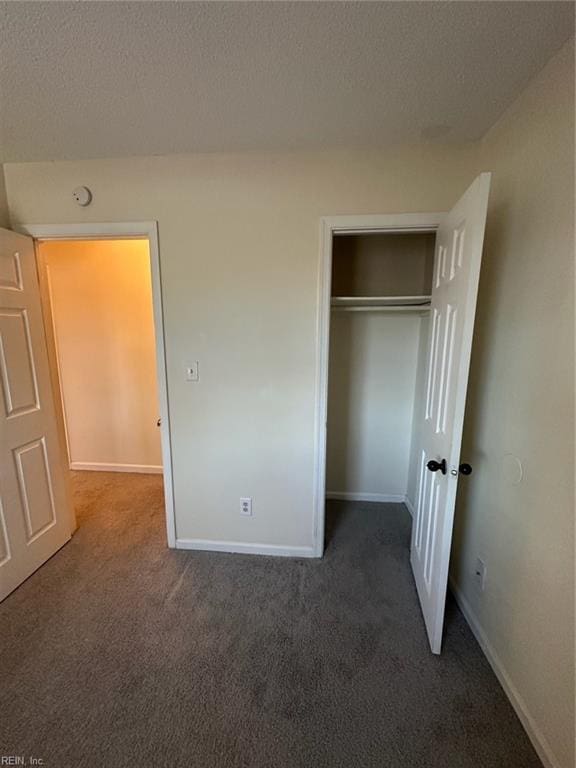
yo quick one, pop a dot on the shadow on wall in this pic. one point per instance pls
(344, 351)
(482, 371)
(335, 517)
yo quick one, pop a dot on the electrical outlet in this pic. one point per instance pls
(246, 506)
(480, 574)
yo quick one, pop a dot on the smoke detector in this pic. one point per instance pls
(83, 196)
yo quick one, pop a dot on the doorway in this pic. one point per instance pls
(337, 254)
(380, 304)
(97, 299)
(423, 447)
(118, 422)
(36, 512)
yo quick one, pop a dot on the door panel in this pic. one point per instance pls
(10, 271)
(455, 284)
(17, 364)
(35, 488)
(36, 517)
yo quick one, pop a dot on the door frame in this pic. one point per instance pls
(118, 231)
(329, 226)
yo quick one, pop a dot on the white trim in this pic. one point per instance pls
(409, 506)
(149, 230)
(244, 548)
(96, 231)
(539, 741)
(391, 222)
(397, 222)
(390, 498)
(94, 466)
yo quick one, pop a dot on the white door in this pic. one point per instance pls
(455, 286)
(35, 512)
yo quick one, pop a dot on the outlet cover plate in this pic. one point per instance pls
(246, 506)
(480, 574)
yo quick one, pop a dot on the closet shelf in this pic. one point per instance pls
(381, 303)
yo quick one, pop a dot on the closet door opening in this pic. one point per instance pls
(392, 385)
(380, 300)
(380, 297)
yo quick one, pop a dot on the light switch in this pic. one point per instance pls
(192, 371)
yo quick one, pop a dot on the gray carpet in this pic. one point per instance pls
(119, 652)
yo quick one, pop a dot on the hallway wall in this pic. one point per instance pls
(101, 298)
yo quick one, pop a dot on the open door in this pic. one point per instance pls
(455, 285)
(36, 516)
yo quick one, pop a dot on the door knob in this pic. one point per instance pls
(434, 466)
(465, 469)
(159, 422)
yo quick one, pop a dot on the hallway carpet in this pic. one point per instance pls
(121, 653)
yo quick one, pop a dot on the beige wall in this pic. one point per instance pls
(239, 250)
(521, 408)
(370, 402)
(101, 298)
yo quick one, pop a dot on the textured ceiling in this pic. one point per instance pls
(91, 79)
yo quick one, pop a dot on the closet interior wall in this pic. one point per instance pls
(376, 362)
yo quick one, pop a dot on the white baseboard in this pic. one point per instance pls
(381, 497)
(535, 735)
(92, 466)
(244, 548)
(409, 506)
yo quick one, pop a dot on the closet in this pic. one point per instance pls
(395, 327)
(380, 304)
